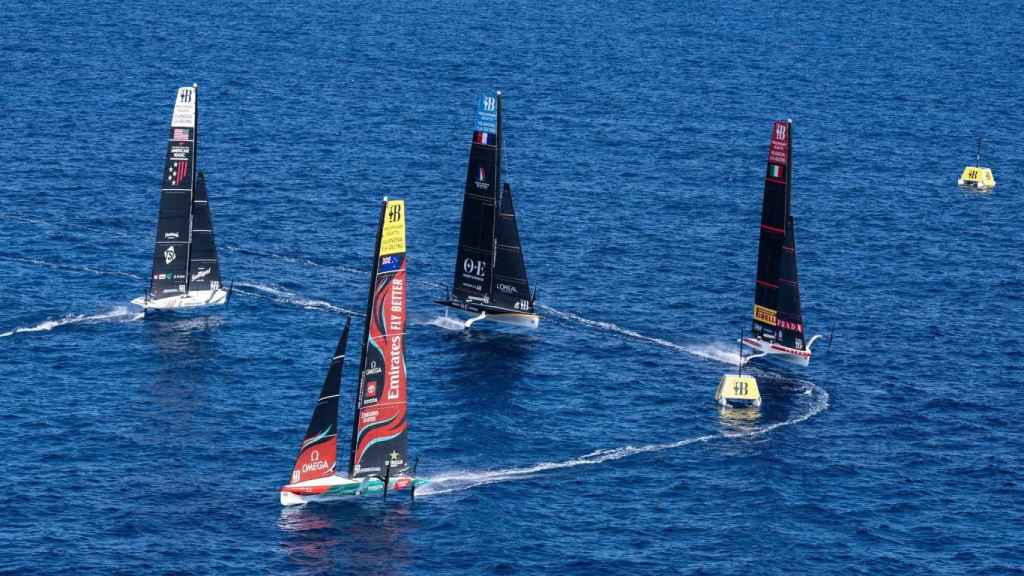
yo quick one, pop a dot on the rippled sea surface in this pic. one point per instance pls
(636, 139)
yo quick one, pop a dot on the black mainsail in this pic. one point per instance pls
(777, 316)
(170, 256)
(185, 256)
(490, 271)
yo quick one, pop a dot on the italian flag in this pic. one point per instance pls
(775, 171)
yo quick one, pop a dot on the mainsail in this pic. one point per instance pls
(489, 266)
(379, 427)
(318, 453)
(171, 255)
(204, 270)
(474, 263)
(777, 296)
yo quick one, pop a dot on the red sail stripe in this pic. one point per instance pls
(773, 229)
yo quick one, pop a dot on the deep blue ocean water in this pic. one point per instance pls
(636, 139)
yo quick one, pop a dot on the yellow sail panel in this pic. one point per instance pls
(392, 237)
(766, 315)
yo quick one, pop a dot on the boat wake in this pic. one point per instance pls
(718, 352)
(458, 481)
(291, 298)
(118, 314)
(58, 266)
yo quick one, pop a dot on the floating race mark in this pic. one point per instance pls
(286, 297)
(458, 481)
(706, 351)
(58, 266)
(118, 314)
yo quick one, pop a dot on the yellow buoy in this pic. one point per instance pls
(977, 177)
(738, 390)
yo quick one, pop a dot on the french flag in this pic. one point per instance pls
(480, 137)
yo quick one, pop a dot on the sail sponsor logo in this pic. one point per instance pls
(481, 179)
(786, 325)
(395, 212)
(506, 288)
(369, 416)
(521, 305)
(778, 150)
(486, 119)
(765, 315)
(392, 238)
(169, 255)
(395, 374)
(373, 370)
(315, 463)
(394, 459)
(167, 276)
(184, 108)
(171, 235)
(474, 267)
(200, 274)
(177, 172)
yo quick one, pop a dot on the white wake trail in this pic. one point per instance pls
(287, 297)
(458, 481)
(75, 268)
(120, 313)
(706, 351)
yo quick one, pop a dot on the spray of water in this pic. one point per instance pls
(118, 314)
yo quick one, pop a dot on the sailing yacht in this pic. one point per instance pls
(378, 454)
(490, 272)
(777, 330)
(186, 272)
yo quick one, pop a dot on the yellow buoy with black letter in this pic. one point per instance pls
(735, 390)
(739, 389)
(977, 177)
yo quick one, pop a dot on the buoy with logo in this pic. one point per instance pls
(739, 389)
(977, 177)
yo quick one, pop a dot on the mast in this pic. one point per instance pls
(498, 192)
(192, 187)
(366, 338)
